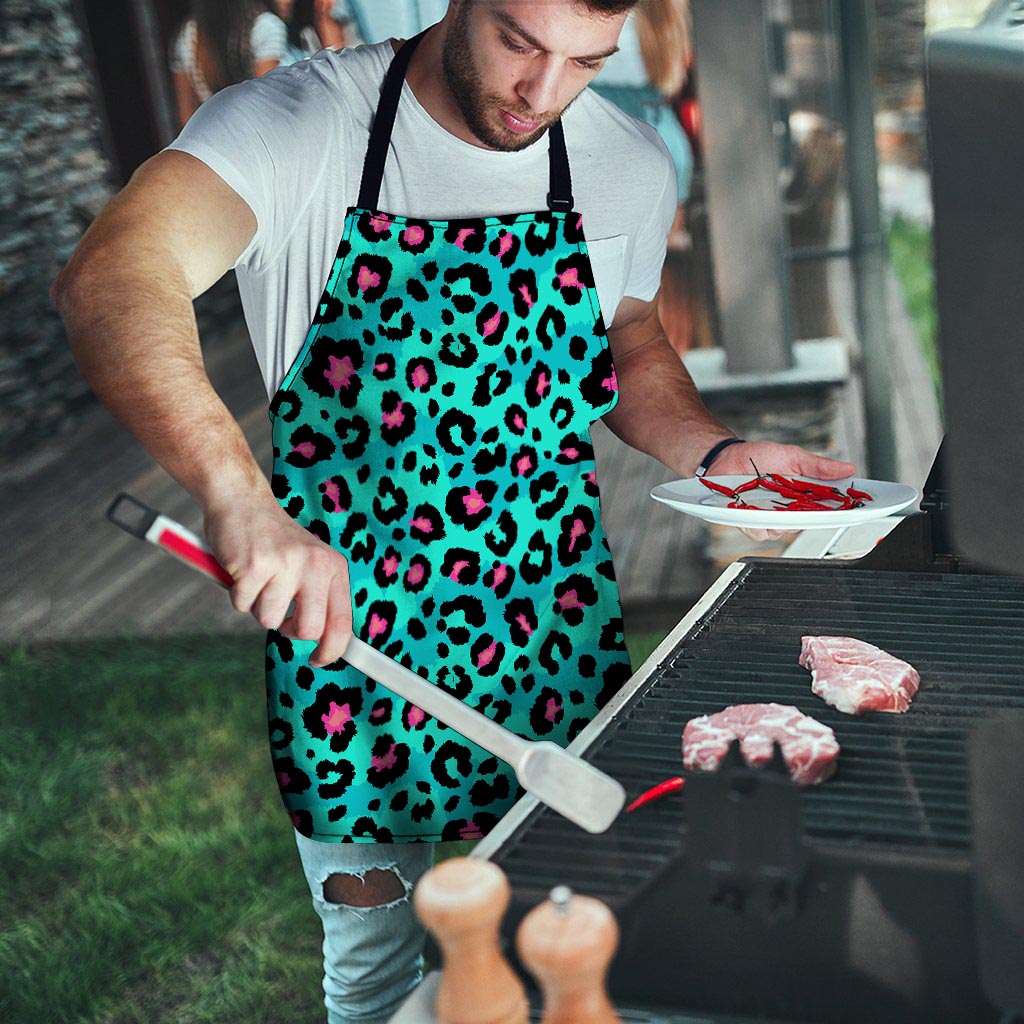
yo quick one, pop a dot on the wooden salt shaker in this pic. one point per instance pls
(462, 901)
(567, 943)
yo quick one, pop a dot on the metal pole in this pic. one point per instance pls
(867, 235)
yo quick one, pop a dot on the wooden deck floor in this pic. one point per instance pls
(70, 574)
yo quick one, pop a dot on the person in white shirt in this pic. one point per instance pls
(221, 43)
(448, 252)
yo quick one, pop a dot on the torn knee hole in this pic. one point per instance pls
(373, 889)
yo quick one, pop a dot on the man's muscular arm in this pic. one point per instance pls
(126, 301)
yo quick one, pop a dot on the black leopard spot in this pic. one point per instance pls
(367, 827)
(471, 608)
(320, 530)
(356, 522)
(561, 412)
(587, 666)
(534, 570)
(427, 524)
(457, 753)
(574, 536)
(302, 822)
(398, 418)
(369, 276)
(572, 275)
(611, 635)
(328, 310)
(422, 811)
(308, 447)
(509, 532)
(416, 290)
(290, 778)
(375, 227)
(285, 650)
(453, 420)
(380, 713)
(354, 435)
(523, 286)
(417, 237)
(547, 711)
(399, 801)
(285, 406)
(391, 503)
(573, 596)
(471, 828)
(483, 792)
(417, 576)
(599, 387)
(421, 375)
(461, 565)
(614, 678)
(539, 385)
(547, 483)
(280, 732)
(388, 761)
(542, 235)
(500, 579)
(337, 497)
(505, 249)
(387, 569)
(551, 318)
(333, 713)
(491, 324)
(304, 677)
(487, 654)
(469, 235)
(454, 680)
(521, 616)
(516, 419)
(578, 347)
(471, 506)
(572, 229)
(379, 622)
(554, 642)
(457, 351)
(400, 331)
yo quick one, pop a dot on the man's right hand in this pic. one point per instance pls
(275, 562)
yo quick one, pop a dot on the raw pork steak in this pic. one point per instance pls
(855, 677)
(809, 748)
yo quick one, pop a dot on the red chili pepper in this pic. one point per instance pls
(721, 488)
(863, 495)
(809, 487)
(749, 485)
(656, 792)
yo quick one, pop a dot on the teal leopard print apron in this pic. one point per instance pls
(435, 429)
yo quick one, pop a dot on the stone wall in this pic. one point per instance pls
(54, 178)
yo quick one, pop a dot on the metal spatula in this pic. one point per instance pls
(567, 784)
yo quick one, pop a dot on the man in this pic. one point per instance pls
(433, 477)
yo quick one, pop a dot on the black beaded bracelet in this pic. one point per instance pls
(705, 463)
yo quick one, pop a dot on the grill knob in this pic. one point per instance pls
(567, 943)
(462, 901)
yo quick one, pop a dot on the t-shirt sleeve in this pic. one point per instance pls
(268, 139)
(269, 38)
(649, 251)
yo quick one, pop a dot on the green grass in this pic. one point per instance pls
(910, 246)
(147, 869)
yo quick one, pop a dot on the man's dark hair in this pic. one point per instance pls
(609, 6)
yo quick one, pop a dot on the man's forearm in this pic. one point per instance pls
(133, 333)
(660, 411)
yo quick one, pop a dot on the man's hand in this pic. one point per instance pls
(275, 562)
(770, 457)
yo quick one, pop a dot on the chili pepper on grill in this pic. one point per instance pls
(656, 792)
(721, 488)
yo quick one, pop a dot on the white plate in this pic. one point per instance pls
(693, 498)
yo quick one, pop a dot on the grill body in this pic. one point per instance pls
(847, 901)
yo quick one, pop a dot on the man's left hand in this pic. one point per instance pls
(771, 457)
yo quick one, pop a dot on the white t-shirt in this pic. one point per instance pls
(292, 144)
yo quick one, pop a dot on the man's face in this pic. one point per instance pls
(513, 66)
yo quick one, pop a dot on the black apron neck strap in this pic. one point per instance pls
(560, 186)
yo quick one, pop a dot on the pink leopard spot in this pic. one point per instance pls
(464, 233)
(414, 717)
(470, 831)
(474, 502)
(524, 291)
(518, 421)
(419, 377)
(577, 531)
(367, 279)
(385, 761)
(456, 569)
(337, 718)
(524, 624)
(523, 465)
(415, 573)
(570, 453)
(377, 625)
(393, 419)
(490, 326)
(339, 374)
(307, 449)
(504, 244)
(331, 491)
(542, 383)
(499, 575)
(380, 222)
(611, 383)
(283, 778)
(569, 279)
(390, 566)
(423, 524)
(569, 600)
(551, 711)
(378, 712)
(486, 656)
(414, 235)
(380, 367)
(591, 477)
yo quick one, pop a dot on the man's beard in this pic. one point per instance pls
(464, 83)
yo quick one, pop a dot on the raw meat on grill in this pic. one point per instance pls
(809, 748)
(855, 677)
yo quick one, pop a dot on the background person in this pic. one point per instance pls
(224, 42)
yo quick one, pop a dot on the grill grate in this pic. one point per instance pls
(902, 779)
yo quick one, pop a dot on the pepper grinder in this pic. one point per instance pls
(462, 901)
(567, 943)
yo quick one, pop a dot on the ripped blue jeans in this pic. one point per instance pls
(372, 954)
